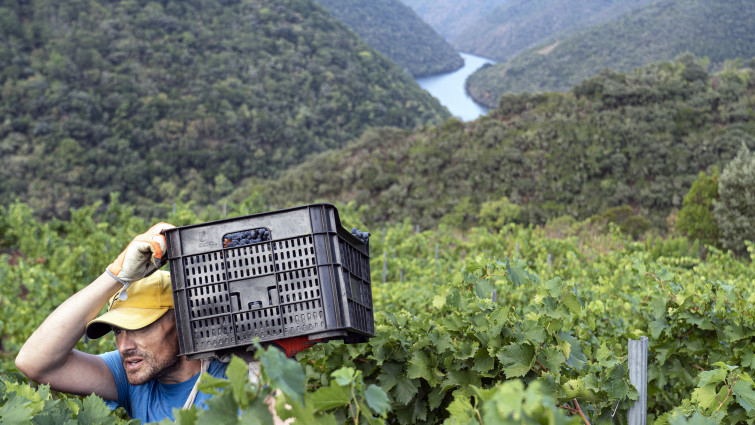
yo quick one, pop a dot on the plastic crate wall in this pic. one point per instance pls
(312, 278)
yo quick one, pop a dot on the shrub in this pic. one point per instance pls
(735, 209)
(696, 219)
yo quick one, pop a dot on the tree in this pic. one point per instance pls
(496, 214)
(735, 209)
(696, 219)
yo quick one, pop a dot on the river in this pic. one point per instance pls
(449, 88)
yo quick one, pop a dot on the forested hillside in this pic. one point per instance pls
(658, 31)
(637, 139)
(152, 99)
(450, 17)
(394, 30)
(520, 24)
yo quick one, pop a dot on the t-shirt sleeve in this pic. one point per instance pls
(113, 361)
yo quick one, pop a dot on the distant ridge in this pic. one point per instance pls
(718, 30)
(521, 24)
(451, 17)
(396, 31)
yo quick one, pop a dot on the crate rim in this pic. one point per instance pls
(230, 219)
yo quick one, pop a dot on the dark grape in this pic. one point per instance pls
(246, 237)
(362, 236)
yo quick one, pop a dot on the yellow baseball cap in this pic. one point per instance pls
(148, 299)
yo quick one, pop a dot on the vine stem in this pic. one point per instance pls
(579, 410)
(356, 405)
(671, 294)
(570, 409)
(728, 394)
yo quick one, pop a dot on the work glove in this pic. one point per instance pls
(142, 257)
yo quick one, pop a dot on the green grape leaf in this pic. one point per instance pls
(404, 390)
(390, 373)
(222, 409)
(439, 301)
(517, 359)
(283, 373)
(715, 376)
(571, 301)
(748, 359)
(441, 341)
(576, 358)
(657, 326)
(377, 399)
(483, 363)
(706, 396)
(94, 412)
(209, 384)
(16, 411)
(467, 350)
(184, 416)
(483, 288)
(735, 333)
(237, 373)
(461, 407)
(54, 412)
(344, 376)
(413, 413)
(665, 275)
(435, 398)
(421, 366)
(696, 419)
(258, 413)
(517, 274)
(743, 391)
(330, 397)
(552, 358)
(590, 382)
(533, 332)
(554, 286)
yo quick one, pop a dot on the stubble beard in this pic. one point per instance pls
(152, 368)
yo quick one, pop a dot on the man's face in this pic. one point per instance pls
(150, 352)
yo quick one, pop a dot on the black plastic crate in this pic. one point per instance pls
(308, 276)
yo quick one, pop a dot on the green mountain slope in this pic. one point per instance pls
(153, 98)
(394, 30)
(637, 139)
(450, 17)
(520, 24)
(659, 31)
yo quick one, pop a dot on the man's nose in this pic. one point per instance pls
(125, 341)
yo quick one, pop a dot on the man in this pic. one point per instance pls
(145, 375)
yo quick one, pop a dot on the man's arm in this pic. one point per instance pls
(48, 356)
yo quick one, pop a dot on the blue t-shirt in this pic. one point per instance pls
(154, 401)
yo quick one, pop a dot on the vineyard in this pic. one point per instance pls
(512, 326)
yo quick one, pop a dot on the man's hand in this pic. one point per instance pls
(142, 257)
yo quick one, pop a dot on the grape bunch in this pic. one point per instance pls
(364, 237)
(246, 237)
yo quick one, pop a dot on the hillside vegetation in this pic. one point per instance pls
(655, 32)
(154, 99)
(637, 139)
(520, 24)
(450, 17)
(394, 30)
